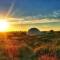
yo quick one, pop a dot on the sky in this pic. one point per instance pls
(44, 14)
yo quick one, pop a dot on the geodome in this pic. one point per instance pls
(33, 31)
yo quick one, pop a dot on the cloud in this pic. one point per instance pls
(42, 24)
(41, 21)
(47, 18)
(54, 14)
(32, 21)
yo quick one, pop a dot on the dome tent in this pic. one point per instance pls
(33, 31)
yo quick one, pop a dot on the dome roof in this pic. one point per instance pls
(33, 31)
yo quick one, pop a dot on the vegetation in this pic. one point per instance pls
(31, 47)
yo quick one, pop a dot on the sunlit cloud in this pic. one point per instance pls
(32, 21)
(41, 21)
(21, 24)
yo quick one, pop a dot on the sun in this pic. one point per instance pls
(3, 25)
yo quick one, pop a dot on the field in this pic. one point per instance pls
(20, 46)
